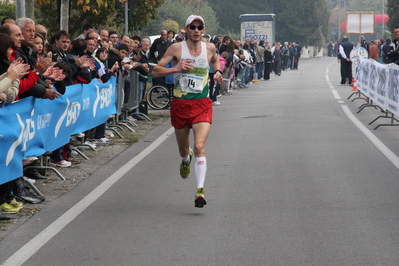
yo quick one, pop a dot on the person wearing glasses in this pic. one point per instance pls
(191, 107)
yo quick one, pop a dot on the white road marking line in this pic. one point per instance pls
(30, 248)
(378, 143)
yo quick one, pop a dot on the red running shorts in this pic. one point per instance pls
(185, 113)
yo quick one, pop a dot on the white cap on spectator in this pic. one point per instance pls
(191, 18)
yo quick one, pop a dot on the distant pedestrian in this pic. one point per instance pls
(346, 63)
(268, 62)
(259, 53)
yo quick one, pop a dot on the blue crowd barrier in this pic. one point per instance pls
(33, 126)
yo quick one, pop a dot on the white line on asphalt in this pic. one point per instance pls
(333, 90)
(378, 143)
(30, 248)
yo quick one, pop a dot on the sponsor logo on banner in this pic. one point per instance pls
(380, 83)
(35, 126)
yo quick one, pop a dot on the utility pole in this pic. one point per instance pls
(126, 17)
(383, 18)
(64, 18)
(20, 9)
(339, 20)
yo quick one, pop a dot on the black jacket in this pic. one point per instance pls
(347, 46)
(160, 47)
(28, 55)
(80, 75)
(113, 57)
(143, 75)
(267, 56)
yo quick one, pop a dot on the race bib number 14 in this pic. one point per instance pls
(191, 83)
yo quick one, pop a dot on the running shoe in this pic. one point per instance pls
(101, 141)
(185, 168)
(4, 218)
(200, 201)
(16, 204)
(62, 163)
(7, 208)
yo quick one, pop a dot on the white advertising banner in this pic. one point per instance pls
(257, 30)
(360, 23)
(380, 83)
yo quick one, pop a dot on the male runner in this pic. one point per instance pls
(191, 107)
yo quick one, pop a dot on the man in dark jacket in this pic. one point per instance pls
(346, 63)
(38, 67)
(159, 47)
(143, 68)
(293, 55)
(388, 52)
(394, 54)
(80, 72)
(157, 50)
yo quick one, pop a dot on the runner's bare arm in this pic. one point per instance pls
(173, 53)
(215, 63)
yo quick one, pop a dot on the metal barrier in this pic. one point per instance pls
(133, 97)
(133, 92)
(127, 100)
(120, 94)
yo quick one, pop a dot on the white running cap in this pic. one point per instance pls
(191, 18)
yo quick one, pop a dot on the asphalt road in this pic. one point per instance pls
(295, 177)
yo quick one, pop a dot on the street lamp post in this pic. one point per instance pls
(20, 8)
(339, 20)
(383, 18)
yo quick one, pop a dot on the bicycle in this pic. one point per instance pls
(159, 97)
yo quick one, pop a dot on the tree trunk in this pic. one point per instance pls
(78, 24)
(30, 9)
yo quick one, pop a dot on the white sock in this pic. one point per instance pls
(186, 159)
(200, 171)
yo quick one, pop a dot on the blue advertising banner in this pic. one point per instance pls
(32, 126)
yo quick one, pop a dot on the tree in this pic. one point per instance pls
(7, 10)
(186, 8)
(171, 25)
(365, 6)
(229, 11)
(98, 13)
(392, 11)
(303, 21)
(306, 23)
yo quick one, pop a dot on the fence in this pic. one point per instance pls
(378, 84)
(33, 126)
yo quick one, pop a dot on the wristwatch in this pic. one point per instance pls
(37, 73)
(219, 72)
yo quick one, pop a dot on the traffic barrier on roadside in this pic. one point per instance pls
(379, 84)
(35, 126)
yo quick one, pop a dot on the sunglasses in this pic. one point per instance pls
(192, 27)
